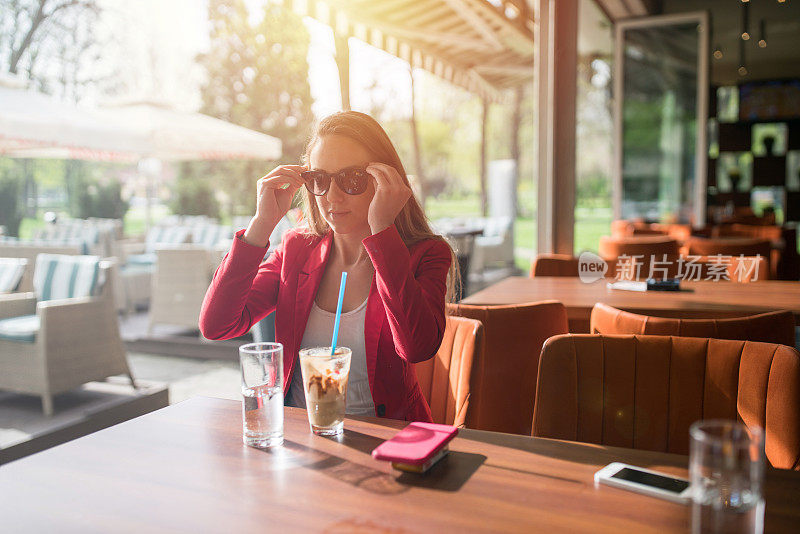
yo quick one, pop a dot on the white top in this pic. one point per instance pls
(319, 330)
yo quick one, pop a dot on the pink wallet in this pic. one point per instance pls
(417, 447)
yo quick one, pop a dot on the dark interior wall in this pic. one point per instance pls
(780, 58)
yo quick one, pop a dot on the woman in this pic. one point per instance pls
(363, 219)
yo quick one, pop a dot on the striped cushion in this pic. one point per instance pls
(23, 328)
(209, 236)
(148, 258)
(61, 243)
(59, 277)
(69, 231)
(166, 235)
(11, 271)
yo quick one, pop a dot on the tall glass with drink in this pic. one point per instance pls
(726, 467)
(325, 385)
(262, 392)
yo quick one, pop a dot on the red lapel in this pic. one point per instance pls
(308, 282)
(373, 324)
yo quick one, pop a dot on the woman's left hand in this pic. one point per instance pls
(391, 194)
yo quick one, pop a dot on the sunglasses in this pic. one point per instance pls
(352, 180)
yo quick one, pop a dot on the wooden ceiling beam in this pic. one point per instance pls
(463, 10)
(505, 70)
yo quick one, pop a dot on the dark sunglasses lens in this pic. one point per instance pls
(316, 182)
(352, 181)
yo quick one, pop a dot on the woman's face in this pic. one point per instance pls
(344, 213)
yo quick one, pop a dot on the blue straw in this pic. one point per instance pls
(338, 314)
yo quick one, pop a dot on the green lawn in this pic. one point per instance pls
(29, 225)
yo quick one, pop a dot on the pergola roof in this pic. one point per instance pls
(484, 46)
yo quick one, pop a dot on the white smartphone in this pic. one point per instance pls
(645, 481)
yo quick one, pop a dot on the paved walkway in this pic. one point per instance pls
(188, 377)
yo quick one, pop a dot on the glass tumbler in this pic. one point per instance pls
(262, 394)
(726, 468)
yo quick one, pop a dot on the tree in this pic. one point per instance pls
(52, 42)
(257, 77)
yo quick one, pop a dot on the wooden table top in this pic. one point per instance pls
(698, 299)
(185, 469)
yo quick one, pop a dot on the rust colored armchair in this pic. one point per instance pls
(773, 327)
(613, 247)
(699, 246)
(445, 378)
(508, 366)
(641, 250)
(554, 265)
(643, 392)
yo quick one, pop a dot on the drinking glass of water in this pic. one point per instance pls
(726, 468)
(262, 392)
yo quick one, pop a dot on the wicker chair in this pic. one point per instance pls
(180, 283)
(63, 335)
(12, 270)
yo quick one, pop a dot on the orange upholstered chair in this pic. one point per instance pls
(445, 378)
(733, 246)
(507, 368)
(643, 392)
(773, 327)
(554, 265)
(784, 257)
(613, 247)
(738, 268)
(641, 249)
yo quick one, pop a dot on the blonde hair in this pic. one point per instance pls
(411, 222)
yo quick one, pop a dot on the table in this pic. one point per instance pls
(184, 468)
(699, 299)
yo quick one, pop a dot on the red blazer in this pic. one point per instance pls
(405, 317)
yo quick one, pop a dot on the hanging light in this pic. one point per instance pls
(745, 21)
(717, 52)
(742, 68)
(762, 31)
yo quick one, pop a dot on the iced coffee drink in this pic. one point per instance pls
(325, 385)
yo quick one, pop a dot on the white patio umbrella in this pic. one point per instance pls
(36, 125)
(171, 135)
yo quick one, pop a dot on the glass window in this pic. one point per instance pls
(594, 128)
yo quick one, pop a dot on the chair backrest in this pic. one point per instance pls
(211, 235)
(635, 257)
(770, 232)
(734, 246)
(445, 378)
(643, 392)
(159, 236)
(614, 247)
(58, 276)
(772, 327)
(508, 366)
(554, 265)
(729, 268)
(11, 271)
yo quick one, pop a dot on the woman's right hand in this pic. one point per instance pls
(275, 192)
